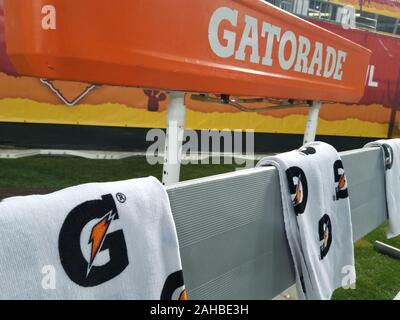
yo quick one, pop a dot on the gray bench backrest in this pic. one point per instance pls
(231, 231)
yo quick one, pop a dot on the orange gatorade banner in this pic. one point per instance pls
(237, 47)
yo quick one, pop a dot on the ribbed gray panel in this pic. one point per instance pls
(225, 231)
(231, 230)
(366, 180)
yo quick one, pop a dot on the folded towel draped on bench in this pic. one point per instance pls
(317, 218)
(112, 240)
(391, 162)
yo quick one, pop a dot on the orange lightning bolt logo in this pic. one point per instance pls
(97, 237)
(297, 197)
(342, 182)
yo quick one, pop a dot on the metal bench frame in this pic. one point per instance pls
(231, 230)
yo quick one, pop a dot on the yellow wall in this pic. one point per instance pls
(109, 114)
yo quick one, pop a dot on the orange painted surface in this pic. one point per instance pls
(196, 46)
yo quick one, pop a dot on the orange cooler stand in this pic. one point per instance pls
(233, 47)
(236, 47)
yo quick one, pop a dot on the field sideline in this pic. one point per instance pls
(377, 275)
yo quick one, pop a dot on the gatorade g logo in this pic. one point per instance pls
(174, 288)
(340, 180)
(325, 235)
(388, 153)
(298, 188)
(92, 250)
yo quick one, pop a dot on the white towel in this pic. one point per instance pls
(112, 240)
(391, 154)
(317, 218)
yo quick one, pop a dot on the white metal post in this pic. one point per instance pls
(174, 138)
(312, 122)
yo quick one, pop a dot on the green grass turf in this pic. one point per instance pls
(377, 274)
(60, 172)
